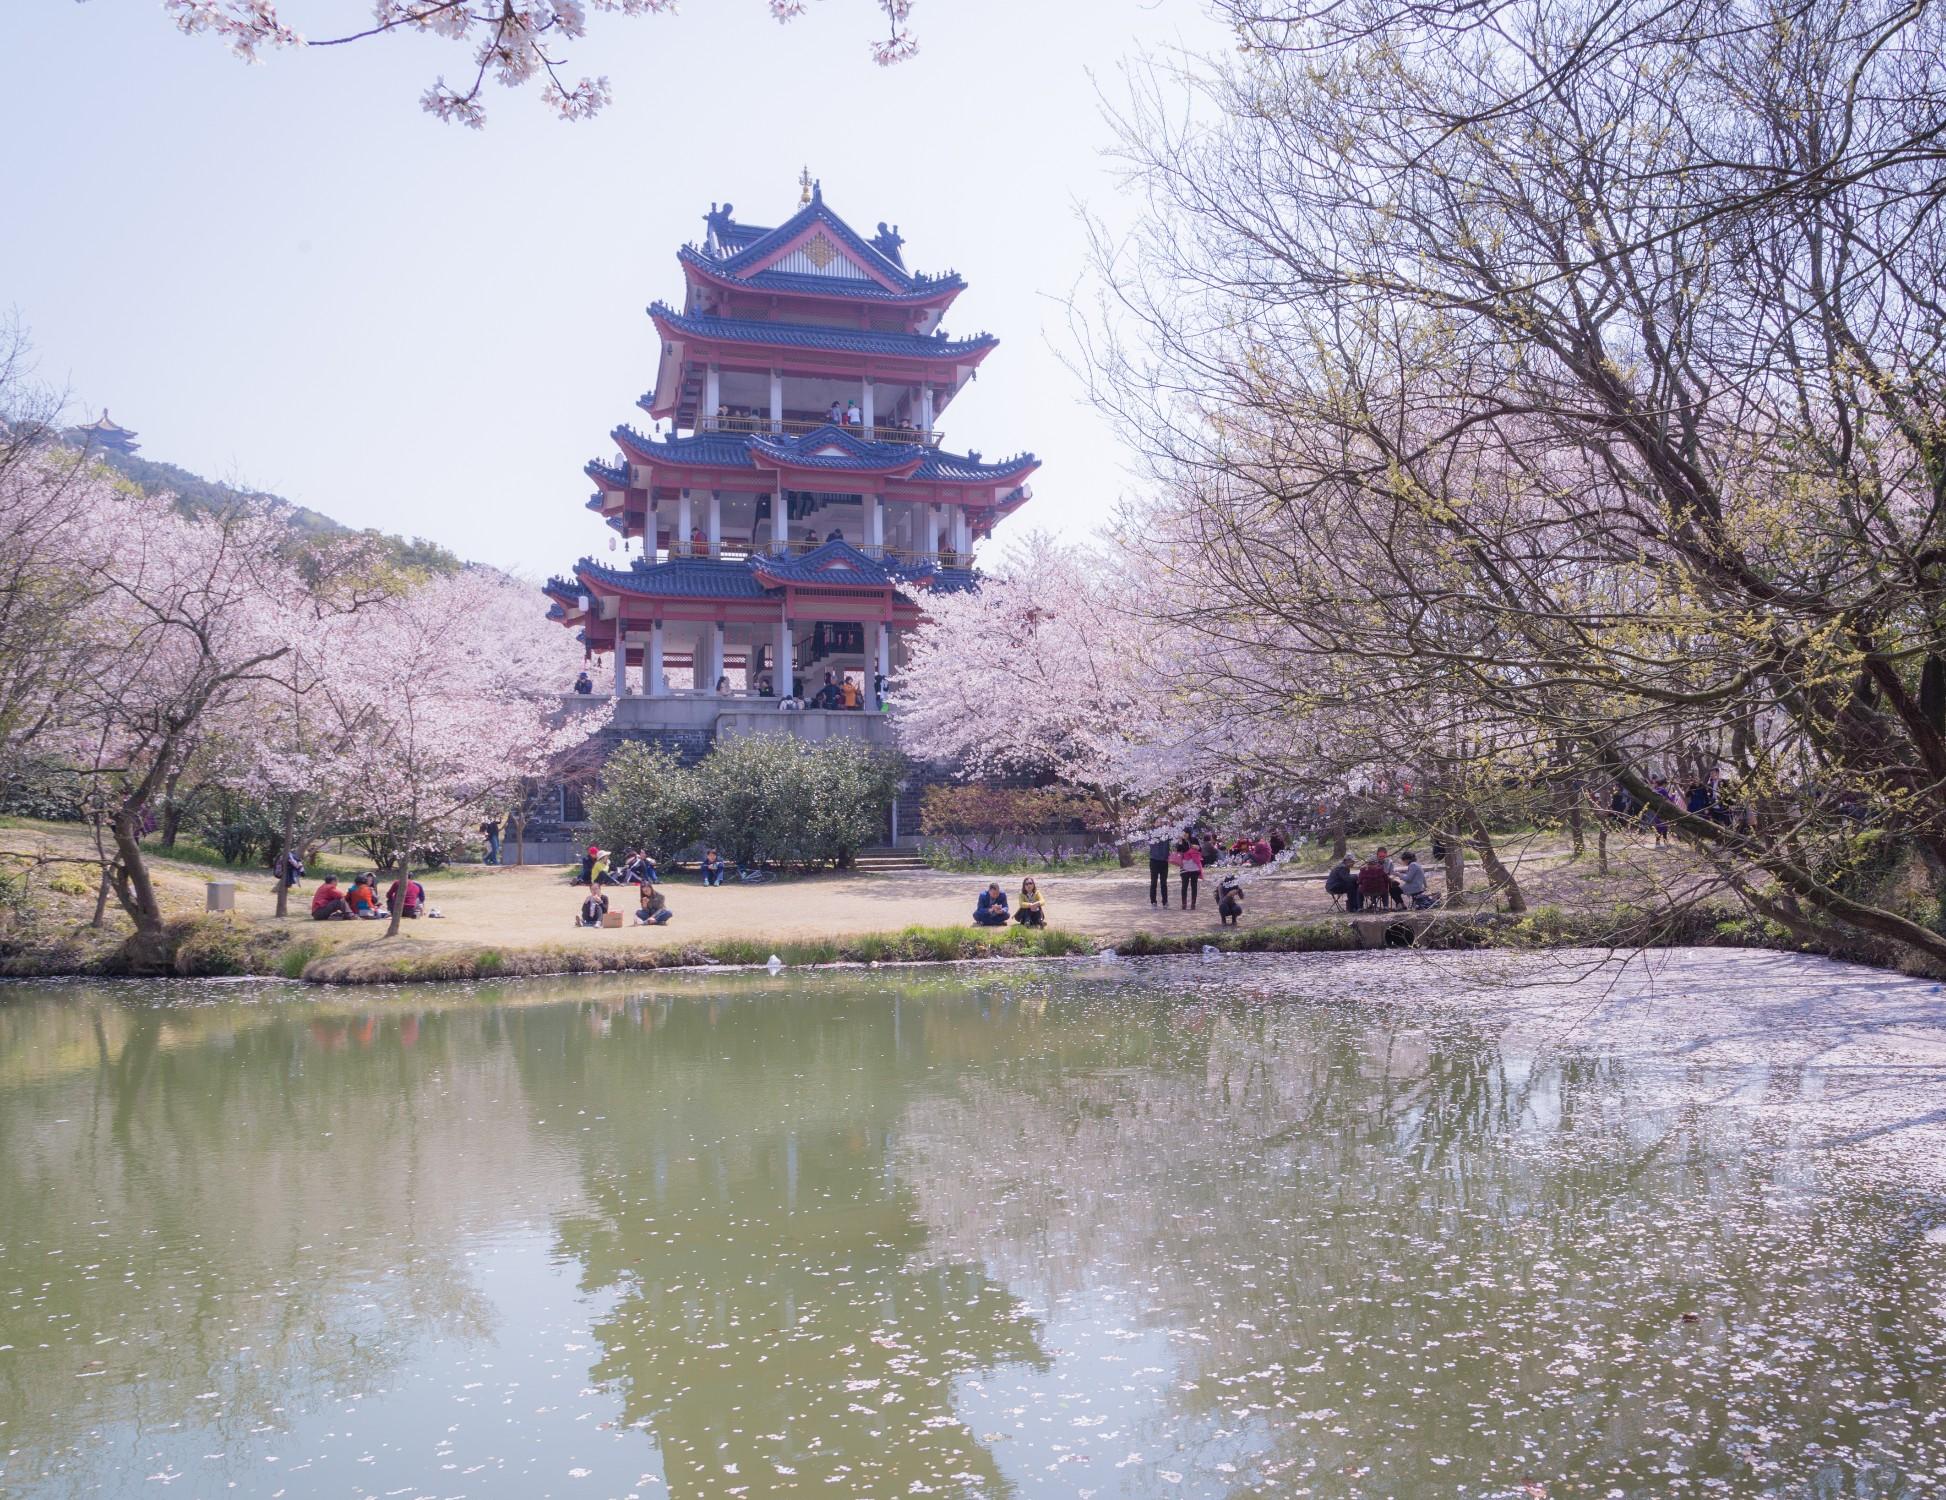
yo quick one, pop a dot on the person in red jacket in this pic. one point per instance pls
(415, 897)
(328, 902)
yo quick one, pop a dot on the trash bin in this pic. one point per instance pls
(221, 895)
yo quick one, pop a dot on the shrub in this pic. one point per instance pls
(977, 823)
(648, 800)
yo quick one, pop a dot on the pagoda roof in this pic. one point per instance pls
(814, 450)
(744, 251)
(607, 475)
(801, 284)
(835, 564)
(708, 326)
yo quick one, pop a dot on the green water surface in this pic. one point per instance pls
(1237, 1229)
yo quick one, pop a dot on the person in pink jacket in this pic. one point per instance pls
(1190, 863)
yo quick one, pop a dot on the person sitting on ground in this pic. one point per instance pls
(593, 908)
(414, 895)
(328, 902)
(1342, 880)
(1412, 881)
(712, 868)
(1229, 899)
(991, 909)
(363, 898)
(598, 869)
(1030, 912)
(585, 875)
(1261, 853)
(651, 907)
(584, 684)
(1374, 885)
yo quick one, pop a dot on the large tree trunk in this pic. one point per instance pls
(1576, 837)
(1499, 877)
(1455, 864)
(1601, 845)
(520, 835)
(171, 822)
(148, 948)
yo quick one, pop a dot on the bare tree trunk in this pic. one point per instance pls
(1601, 845)
(171, 821)
(1455, 864)
(1575, 834)
(1499, 877)
(404, 878)
(1339, 842)
(520, 834)
(101, 890)
(284, 857)
(136, 891)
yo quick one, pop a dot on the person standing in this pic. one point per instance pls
(1191, 865)
(490, 831)
(1159, 870)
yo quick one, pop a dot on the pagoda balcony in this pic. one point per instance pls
(798, 426)
(738, 549)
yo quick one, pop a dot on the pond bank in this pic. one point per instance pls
(519, 921)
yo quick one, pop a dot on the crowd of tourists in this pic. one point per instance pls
(361, 902)
(1188, 854)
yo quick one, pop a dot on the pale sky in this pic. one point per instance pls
(289, 276)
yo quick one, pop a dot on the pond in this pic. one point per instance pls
(1337, 1226)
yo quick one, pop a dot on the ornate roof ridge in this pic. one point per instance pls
(935, 345)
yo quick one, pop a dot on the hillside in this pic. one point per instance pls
(196, 494)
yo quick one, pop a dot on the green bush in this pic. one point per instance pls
(648, 800)
(758, 798)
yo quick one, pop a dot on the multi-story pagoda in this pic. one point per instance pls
(107, 434)
(802, 503)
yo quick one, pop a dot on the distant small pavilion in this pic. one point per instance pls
(108, 434)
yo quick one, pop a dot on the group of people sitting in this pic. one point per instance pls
(600, 867)
(651, 907)
(1381, 882)
(990, 908)
(359, 901)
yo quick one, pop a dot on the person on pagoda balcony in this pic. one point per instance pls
(853, 416)
(584, 684)
(698, 543)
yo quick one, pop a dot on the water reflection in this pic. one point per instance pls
(1123, 1235)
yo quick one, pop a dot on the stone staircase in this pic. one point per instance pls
(883, 859)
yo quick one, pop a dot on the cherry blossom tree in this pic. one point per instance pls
(1043, 671)
(188, 620)
(515, 43)
(451, 700)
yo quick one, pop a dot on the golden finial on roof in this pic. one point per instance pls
(804, 182)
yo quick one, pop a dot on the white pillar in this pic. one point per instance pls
(776, 400)
(882, 656)
(715, 523)
(650, 546)
(865, 403)
(712, 395)
(780, 524)
(652, 668)
(932, 531)
(925, 409)
(781, 673)
(962, 533)
(621, 662)
(875, 524)
(685, 523)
